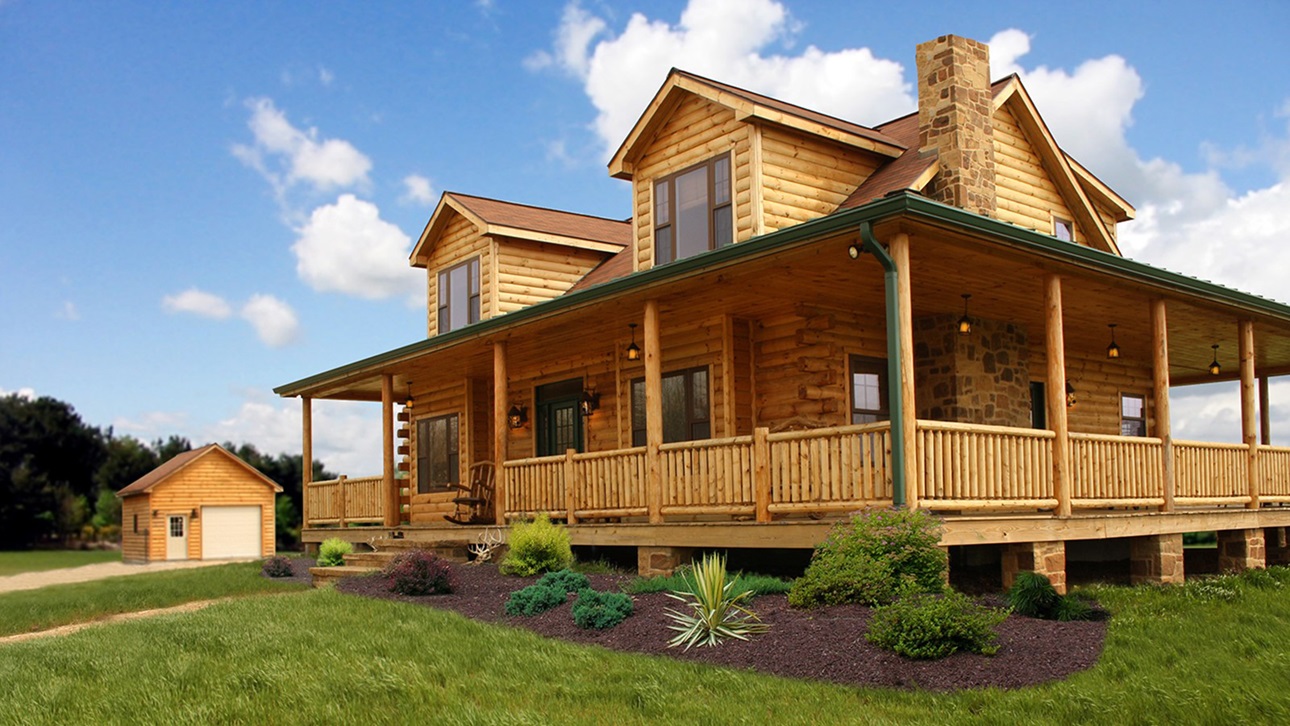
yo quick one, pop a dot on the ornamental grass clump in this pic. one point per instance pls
(715, 610)
(418, 573)
(536, 547)
(1033, 596)
(332, 551)
(600, 610)
(277, 567)
(928, 627)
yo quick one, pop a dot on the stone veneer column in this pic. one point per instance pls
(1045, 558)
(1156, 559)
(651, 561)
(1277, 541)
(1240, 550)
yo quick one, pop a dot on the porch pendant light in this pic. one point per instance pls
(965, 323)
(1214, 367)
(1070, 395)
(1112, 350)
(633, 350)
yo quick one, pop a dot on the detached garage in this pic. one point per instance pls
(205, 504)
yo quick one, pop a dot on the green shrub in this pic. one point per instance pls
(715, 609)
(873, 558)
(331, 553)
(418, 572)
(752, 583)
(277, 567)
(536, 547)
(600, 610)
(565, 580)
(1034, 596)
(926, 627)
(534, 599)
(1071, 608)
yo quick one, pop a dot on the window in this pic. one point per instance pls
(685, 407)
(1038, 405)
(459, 296)
(176, 526)
(1133, 415)
(136, 524)
(1063, 229)
(438, 463)
(868, 390)
(692, 211)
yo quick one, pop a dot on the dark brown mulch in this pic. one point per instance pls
(299, 571)
(826, 644)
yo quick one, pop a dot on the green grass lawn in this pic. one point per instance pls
(1209, 652)
(14, 563)
(48, 607)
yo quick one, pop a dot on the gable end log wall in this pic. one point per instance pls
(460, 242)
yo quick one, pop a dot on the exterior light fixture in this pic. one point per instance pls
(633, 350)
(517, 416)
(855, 250)
(1112, 350)
(1214, 367)
(965, 323)
(590, 402)
(1070, 395)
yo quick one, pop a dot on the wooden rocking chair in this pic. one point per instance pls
(476, 499)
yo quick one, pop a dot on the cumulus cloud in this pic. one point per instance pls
(197, 302)
(346, 434)
(346, 247)
(731, 40)
(69, 311)
(274, 321)
(26, 393)
(417, 190)
(286, 156)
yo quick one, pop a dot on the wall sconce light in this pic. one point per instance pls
(1112, 350)
(965, 323)
(855, 250)
(1214, 367)
(590, 402)
(156, 512)
(517, 416)
(633, 350)
(1070, 395)
(194, 514)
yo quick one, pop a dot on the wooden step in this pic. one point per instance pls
(451, 550)
(327, 576)
(370, 559)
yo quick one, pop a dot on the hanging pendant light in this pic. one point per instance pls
(1112, 350)
(1214, 367)
(965, 323)
(633, 350)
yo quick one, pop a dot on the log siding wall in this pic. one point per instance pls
(805, 177)
(1025, 194)
(460, 242)
(212, 480)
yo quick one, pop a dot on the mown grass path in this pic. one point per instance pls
(15, 563)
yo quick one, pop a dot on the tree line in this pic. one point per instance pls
(59, 475)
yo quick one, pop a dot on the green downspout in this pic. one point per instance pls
(894, 400)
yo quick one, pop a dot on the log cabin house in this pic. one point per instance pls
(804, 317)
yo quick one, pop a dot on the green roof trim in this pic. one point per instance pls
(902, 204)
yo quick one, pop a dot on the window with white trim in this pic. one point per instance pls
(1133, 415)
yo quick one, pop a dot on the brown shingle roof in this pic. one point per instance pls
(547, 221)
(900, 173)
(170, 468)
(620, 265)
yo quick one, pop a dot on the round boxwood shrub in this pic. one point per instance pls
(332, 551)
(536, 547)
(926, 627)
(277, 567)
(872, 558)
(600, 610)
(566, 580)
(417, 573)
(535, 599)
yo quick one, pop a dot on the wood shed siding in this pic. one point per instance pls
(805, 177)
(134, 546)
(1025, 193)
(460, 242)
(211, 480)
(530, 272)
(696, 130)
(445, 398)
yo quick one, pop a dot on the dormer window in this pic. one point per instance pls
(1063, 229)
(692, 211)
(459, 296)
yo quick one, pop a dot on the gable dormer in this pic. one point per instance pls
(712, 164)
(485, 257)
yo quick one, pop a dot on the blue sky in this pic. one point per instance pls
(201, 201)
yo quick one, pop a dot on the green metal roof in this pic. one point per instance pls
(909, 205)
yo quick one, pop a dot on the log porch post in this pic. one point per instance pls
(909, 415)
(1249, 425)
(653, 413)
(306, 456)
(500, 425)
(1160, 386)
(1056, 392)
(388, 482)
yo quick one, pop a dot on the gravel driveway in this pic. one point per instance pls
(86, 573)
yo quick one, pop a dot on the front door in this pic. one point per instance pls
(176, 537)
(559, 417)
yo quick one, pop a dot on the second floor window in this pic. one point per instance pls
(692, 211)
(459, 296)
(1133, 415)
(1063, 229)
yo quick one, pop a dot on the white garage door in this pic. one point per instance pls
(230, 532)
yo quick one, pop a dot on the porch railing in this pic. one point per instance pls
(1116, 471)
(965, 466)
(343, 501)
(1209, 474)
(1275, 482)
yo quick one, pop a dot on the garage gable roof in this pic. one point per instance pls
(146, 482)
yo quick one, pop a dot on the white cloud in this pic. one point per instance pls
(726, 40)
(274, 320)
(27, 393)
(285, 155)
(346, 247)
(153, 424)
(325, 76)
(346, 434)
(417, 190)
(68, 311)
(197, 302)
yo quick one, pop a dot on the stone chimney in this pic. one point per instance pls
(954, 121)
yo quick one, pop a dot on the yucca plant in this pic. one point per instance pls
(715, 609)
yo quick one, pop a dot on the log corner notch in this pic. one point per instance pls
(388, 482)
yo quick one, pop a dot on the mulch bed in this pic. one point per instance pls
(825, 644)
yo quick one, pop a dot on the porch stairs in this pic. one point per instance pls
(384, 550)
